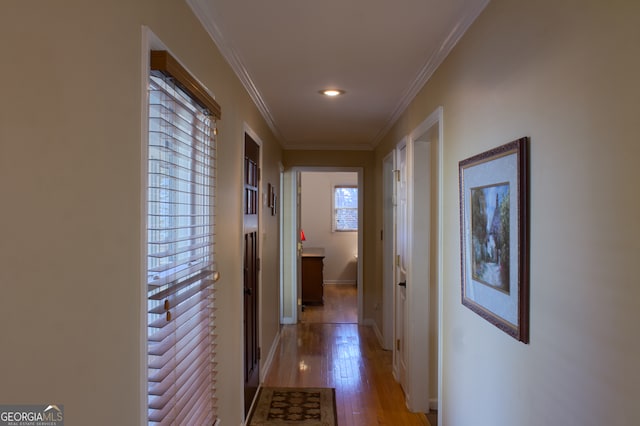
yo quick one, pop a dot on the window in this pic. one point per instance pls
(180, 247)
(345, 208)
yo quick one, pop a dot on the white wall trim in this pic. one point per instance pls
(326, 147)
(289, 248)
(418, 398)
(396, 360)
(208, 23)
(418, 274)
(269, 360)
(288, 320)
(340, 282)
(431, 65)
(370, 322)
(388, 250)
(148, 38)
(440, 112)
(421, 78)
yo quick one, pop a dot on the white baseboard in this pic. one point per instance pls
(433, 404)
(370, 322)
(267, 362)
(340, 282)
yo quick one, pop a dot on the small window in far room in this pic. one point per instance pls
(345, 208)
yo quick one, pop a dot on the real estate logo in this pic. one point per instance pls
(32, 415)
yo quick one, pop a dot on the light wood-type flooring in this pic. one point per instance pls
(328, 349)
(340, 306)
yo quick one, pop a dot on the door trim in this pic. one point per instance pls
(388, 250)
(418, 398)
(397, 250)
(291, 188)
(248, 131)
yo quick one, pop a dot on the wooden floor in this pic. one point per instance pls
(340, 306)
(347, 357)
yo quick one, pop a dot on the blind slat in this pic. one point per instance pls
(199, 255)
(159, 382)
(197, 311)
(202, 292)
(181, 284)
(193, 397)
(174, 380)
(204, 418)
(180, 254)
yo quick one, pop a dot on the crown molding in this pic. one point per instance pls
(236, 64)
(422, 77)
(323, 147)
(430, 67)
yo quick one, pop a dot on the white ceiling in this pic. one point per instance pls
(381, 52)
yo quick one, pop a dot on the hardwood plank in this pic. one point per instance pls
(347, 357)
(340, 306)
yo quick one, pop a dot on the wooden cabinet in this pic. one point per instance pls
(312, 276)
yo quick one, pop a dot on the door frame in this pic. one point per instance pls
(247, 130)
(289, 247)
(400, 371)
(291, 285)
(388, 249)
(424, 139)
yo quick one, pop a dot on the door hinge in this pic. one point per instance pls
(381, 235)
(397, 260)
(396, 173)
(258, 264)
(398, 344)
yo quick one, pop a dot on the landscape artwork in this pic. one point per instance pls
(490, 207)
(494, 236)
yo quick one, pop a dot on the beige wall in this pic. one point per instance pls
(71, 186)
(563, 73)
(566, 75)
(341, 248)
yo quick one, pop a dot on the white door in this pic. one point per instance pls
(400, 347)
(388, 248)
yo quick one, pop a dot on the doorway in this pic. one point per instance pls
(342, 263)
(418, 263)
(425, 300)
(329, 224)
(388, 248)
(403, 257)
(251, 199)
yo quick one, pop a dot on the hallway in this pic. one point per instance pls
(343, 355)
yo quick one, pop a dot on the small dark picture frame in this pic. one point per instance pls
(494, 236)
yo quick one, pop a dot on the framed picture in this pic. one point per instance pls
(494, 236)
(269, 195)
(272, 199)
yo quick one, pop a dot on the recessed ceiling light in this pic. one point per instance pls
(332, 92)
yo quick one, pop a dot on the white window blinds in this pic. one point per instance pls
(180, 255)
(345, 208)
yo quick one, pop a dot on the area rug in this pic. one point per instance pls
(295, 406)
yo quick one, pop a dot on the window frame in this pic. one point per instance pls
(198, 174)
(334, 208)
